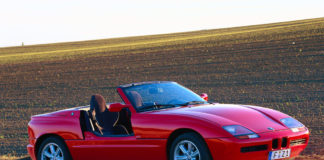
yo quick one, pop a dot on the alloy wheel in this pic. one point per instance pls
(52, 152)
(186, 150)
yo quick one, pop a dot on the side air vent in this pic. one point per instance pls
(254, 148)
(297, 142)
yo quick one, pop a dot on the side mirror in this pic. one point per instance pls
(117, 107)
(204, 96)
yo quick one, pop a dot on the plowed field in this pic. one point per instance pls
(280, 66)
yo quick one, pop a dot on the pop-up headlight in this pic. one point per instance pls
(293, 124)
(240, 132)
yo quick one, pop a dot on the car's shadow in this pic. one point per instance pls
(25, 158)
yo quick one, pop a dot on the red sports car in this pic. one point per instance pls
(164, 120)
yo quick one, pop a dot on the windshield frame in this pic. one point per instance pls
(158, 106)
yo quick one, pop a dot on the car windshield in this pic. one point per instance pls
(152, 96)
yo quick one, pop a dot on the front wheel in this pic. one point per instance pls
(53, 148)
(189, 146)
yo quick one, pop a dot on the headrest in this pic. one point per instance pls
(137, 98)
(98, 103)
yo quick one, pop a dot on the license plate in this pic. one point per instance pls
(279, 154)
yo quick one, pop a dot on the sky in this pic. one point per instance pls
(51, 21)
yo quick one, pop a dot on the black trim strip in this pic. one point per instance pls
(254, 148)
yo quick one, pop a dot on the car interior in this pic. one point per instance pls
(102, 122)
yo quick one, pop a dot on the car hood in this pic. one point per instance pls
(257, 119)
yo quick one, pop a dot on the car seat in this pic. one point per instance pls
(108, 123)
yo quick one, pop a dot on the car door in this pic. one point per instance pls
(117, 148)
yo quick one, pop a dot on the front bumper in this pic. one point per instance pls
(258, 148)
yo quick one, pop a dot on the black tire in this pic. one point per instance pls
(57, 144)
(195, 141)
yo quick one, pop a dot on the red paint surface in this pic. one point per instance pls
(152, 130)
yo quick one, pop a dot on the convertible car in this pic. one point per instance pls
(163, 120)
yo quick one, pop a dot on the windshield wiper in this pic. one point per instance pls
(192, 103)
(156, 106)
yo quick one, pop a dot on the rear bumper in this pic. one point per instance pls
(31, 148)
(258, 148)
(31, 151)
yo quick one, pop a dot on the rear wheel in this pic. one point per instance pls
(189, 146)
(53, 148)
